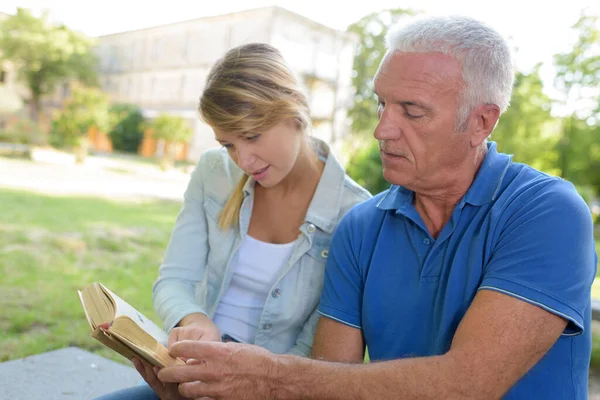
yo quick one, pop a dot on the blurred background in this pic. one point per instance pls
(99, 130)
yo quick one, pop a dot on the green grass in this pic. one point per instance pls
(52, 246)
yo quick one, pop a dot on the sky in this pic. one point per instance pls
(535, 28)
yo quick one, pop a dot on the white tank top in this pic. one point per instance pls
(256, 266)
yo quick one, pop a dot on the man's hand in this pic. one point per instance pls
(165, 391)
(222, 370)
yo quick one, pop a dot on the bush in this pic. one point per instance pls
(23, 131)
(86, 108)
(127, 132)
(174, 131)
(364, 166)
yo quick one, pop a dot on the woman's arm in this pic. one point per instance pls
(185, 260)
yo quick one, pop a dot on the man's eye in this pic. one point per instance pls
(412, 116)
(228, 146)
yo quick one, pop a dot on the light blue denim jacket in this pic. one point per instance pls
(197, 270)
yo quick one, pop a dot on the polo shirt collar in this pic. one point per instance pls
(483, 190)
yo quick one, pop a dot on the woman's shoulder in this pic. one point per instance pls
(335, 177)
(352, 194)
(218, 172)
(354, 190)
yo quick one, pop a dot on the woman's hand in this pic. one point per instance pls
(195, 327)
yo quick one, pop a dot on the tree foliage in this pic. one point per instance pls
(578, 79)
(45, 54)
(370, 31)
(86, 108)
(527, 129)
(170, 128)
(565, 145)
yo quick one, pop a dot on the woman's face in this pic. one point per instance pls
(267, 156)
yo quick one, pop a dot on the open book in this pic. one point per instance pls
(122, 328)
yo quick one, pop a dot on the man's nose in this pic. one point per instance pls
(387, 128)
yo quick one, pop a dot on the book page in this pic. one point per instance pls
(122, 308)
(85, 310)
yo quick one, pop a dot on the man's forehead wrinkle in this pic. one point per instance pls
(418, 85)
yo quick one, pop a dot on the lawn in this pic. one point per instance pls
(52, 246)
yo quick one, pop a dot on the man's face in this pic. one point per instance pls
(418, 95)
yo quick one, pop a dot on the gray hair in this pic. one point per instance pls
(487, 68)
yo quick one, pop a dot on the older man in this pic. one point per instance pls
(469, 278)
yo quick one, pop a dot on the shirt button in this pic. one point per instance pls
(267, 326)
(325, 253)
(276, 293)
(426, 241)
(311, 228)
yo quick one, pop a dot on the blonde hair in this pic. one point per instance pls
(250, 88)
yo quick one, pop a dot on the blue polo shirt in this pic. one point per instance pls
(516, 231)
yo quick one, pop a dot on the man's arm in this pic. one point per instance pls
(499, 339)
(515, 318)
(335, 341)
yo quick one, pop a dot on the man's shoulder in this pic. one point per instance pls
(523, 179)
(526, 188)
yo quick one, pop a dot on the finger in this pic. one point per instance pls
(152, 380)
(138, 366)
(200, 350)
(185, 373)
(173, 336)
(199, 389)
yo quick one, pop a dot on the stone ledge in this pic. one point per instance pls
(69, 373)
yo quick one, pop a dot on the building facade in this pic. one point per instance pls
(163, 68)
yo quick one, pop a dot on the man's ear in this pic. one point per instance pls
(486, 117)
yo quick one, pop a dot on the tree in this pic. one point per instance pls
(527, 129)
(86, 108)
(371, 31)
(10, 102)
(365, 167)
(45, 54)
(578, 78)
(174, 131)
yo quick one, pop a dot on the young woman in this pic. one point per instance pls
(246, 257)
